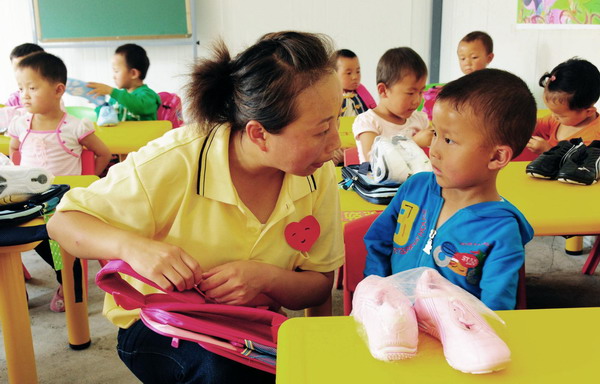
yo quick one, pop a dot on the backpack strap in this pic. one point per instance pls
(126, 296)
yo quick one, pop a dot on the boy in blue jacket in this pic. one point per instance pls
(453, 219)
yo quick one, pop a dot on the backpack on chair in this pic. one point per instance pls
(170, 109)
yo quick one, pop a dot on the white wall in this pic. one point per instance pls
(528, 53)
(367, 27)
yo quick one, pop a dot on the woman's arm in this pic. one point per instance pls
(87, 237)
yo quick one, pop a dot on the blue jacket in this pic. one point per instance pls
(480, 248)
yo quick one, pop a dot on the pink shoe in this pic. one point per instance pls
(470, 344)
(387, 317)
(57, 304)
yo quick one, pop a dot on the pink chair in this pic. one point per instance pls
(356, 253)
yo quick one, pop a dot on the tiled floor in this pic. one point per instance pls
(554, 279)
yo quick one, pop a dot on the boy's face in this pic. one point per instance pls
(459, 152)
(348, 71)
(38, 95)
(122, 74)
(472, 56)
(404, 97)
(561, 111)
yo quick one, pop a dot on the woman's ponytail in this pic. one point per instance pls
(210, 92)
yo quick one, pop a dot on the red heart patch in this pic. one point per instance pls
(303, 234)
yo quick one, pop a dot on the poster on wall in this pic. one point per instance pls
(558, 14)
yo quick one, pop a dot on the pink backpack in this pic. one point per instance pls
(245, 334)
(170, 109)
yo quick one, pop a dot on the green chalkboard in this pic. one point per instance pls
(92, 20)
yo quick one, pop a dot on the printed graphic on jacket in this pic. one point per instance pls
(468, 264)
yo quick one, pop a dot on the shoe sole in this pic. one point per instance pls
(540, 176)
(571, 181)
(395, 353)
(16, 181)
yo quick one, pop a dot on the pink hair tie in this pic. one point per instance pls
(552, 78)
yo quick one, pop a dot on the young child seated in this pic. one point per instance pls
(570, 92)
(401, 77)
(475, 51)
(453, 219)
(46, 136)
(357, 98)
(134, 99)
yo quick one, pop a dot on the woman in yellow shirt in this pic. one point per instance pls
(243, 203)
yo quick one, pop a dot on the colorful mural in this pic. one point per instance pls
(559, 12)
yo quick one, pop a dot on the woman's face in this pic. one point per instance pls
(307, 143)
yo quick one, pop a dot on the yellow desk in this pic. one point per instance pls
(548, 346)
(14, 314)
(4, 144)
(129, 136)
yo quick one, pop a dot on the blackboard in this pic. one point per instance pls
(94, 20)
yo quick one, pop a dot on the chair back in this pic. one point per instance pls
(356, 254)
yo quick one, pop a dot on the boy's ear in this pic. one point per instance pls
(257, 134)
(381, 89)
(591, 111)
(490, 57)
(135, 73)
(501, 156)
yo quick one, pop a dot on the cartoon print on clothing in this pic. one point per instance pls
(465, 264)
(406, 218)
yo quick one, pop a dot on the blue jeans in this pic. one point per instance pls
(152, 359)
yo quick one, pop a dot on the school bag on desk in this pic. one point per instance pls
(357, 178)
(247, 335)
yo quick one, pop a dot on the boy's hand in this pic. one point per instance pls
(538, 145)
(99, 89)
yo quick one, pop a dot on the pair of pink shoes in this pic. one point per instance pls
(392, 323)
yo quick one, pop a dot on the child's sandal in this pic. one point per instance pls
(58, 302)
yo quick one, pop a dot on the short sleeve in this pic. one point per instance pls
(83, 129)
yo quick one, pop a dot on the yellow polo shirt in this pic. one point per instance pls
(178, 189)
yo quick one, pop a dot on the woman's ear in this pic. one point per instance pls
(591, 111)
(501, 156)
(257, 134)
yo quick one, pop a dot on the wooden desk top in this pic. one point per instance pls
(548, 346)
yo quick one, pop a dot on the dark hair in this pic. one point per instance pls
(576, 77)
(397, 63)
(485, 39)
(348, 54)
(261, 83)
(135, 57)
(50, 67)
(501, 100)
(24, 50)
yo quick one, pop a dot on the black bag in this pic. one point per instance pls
(12, 215)
(357, 177)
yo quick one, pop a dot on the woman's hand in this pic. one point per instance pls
(166, 265)
(538, 145)
(236, 283)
